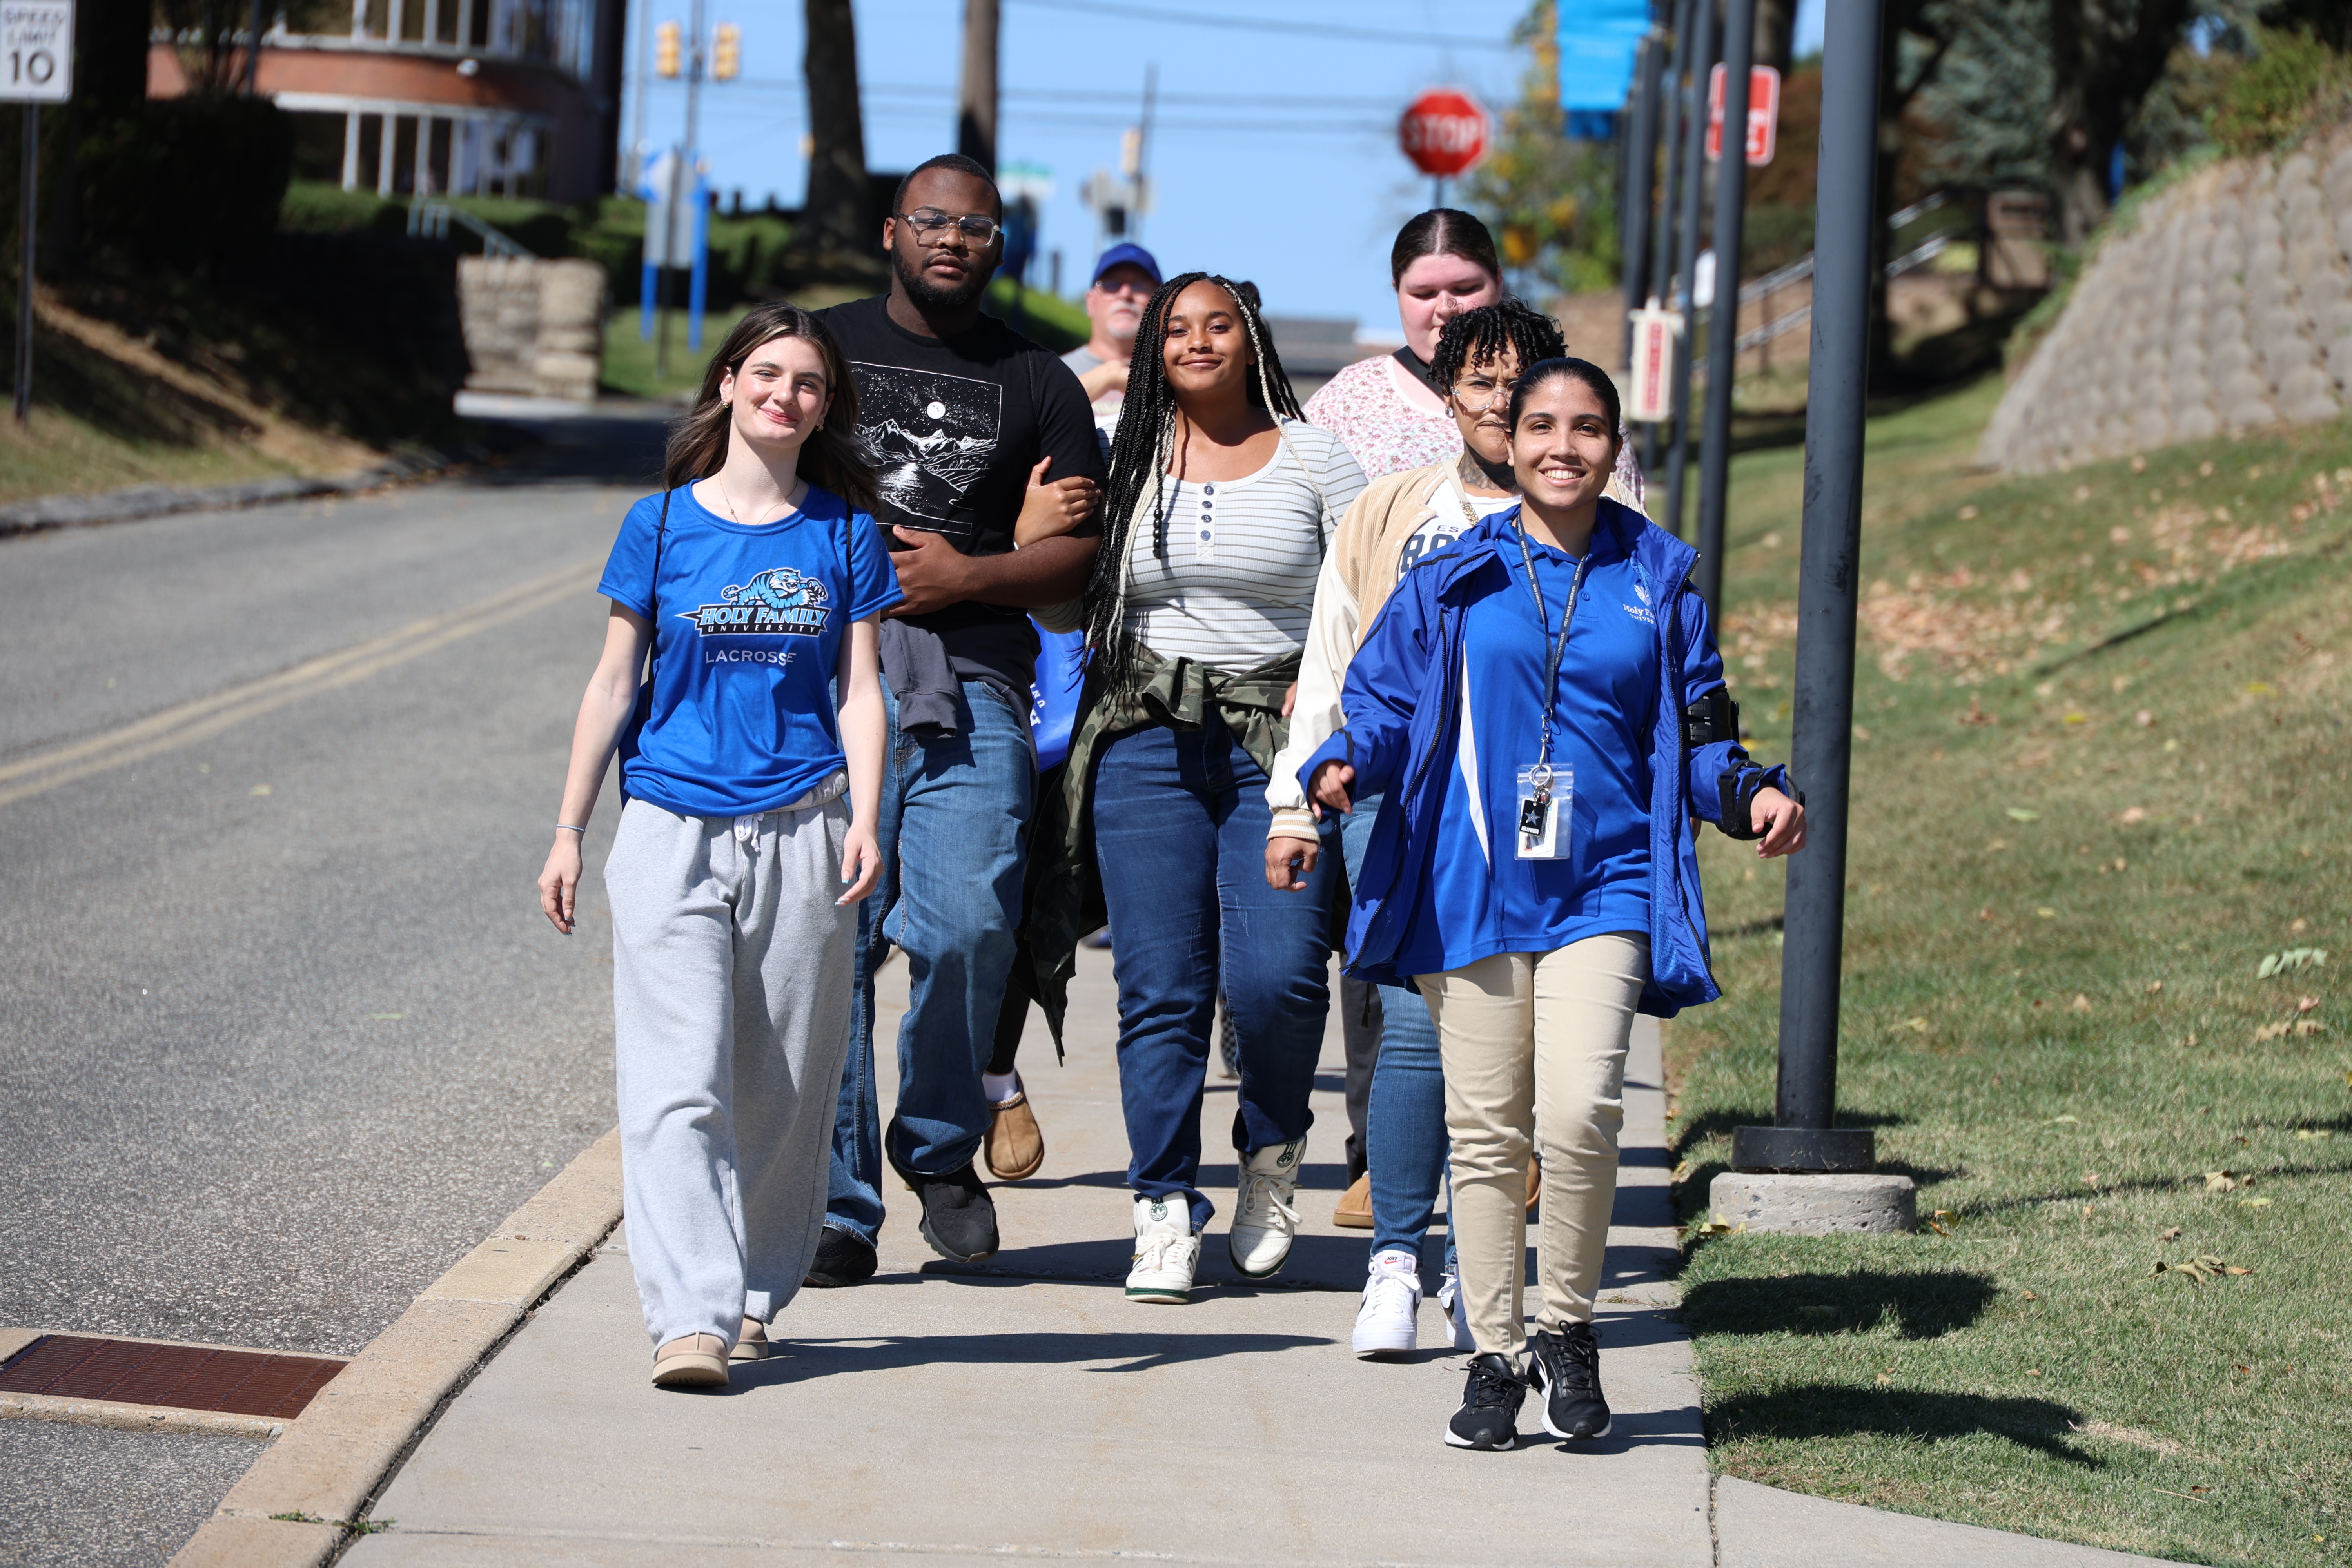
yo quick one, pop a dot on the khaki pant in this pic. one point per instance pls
(1529, 1041)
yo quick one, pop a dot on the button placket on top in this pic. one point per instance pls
(1204, 544)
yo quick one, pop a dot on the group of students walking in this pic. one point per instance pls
(1410, 657)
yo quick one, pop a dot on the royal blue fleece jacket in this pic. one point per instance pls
(1403, 700)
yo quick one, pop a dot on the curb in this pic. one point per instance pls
(359, 1428)
(136, 502)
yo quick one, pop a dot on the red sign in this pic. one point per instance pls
(1763, 115)
(1444, 131)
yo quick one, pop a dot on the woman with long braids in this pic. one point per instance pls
(1219, 507)
(755, 581)
(1544, 707)
(1400, 519)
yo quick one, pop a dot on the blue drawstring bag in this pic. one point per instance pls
(1054, 698)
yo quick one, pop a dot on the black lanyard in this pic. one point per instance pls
(1559, 644)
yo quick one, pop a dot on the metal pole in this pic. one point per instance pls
(637, 93)
(1640, 177)
(1694, 184)
(1821, 754)
(31, 182)
(1142, 193)
(1670, 108)
(1723, 324)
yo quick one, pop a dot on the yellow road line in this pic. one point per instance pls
(204, 717)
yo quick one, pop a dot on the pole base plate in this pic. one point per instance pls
(1804, 1150)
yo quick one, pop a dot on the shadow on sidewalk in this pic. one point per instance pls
(797, 1361)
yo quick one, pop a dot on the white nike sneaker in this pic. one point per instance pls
(1449, 1301)
(1388, 1320)
(1264, 1223)
(1167, 1251)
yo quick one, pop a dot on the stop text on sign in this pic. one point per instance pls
(1444, 132)
(36, 51)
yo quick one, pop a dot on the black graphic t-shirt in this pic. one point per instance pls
(954, 426)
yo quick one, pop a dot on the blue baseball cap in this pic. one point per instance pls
(1126, 255)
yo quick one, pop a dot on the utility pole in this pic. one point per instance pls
(976, 101)
(1641, 180)
(637, 94)
(1723, 324)
(1670, 107)
(1802, 1138)
(690, 172)
(1693, 149)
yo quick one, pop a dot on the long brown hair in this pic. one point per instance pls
(831, 457)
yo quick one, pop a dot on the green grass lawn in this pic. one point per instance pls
(2100, 778)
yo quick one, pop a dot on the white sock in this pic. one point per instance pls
(1000, 1087)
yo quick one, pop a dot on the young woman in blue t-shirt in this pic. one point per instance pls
(755, 581)
(1543, 709)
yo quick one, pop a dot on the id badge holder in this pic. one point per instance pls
(1544, 795)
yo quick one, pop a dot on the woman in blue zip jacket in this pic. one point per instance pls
(1544, 710)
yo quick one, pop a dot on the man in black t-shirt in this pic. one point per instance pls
(956, 410)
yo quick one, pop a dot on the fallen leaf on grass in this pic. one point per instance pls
(2253, 1203)
(2046, 913)
(2306, 1026)
(2019, 814)
(2078, 1121)
(2153, 986)
(2133, 813)
(2309, 1134)
(2292, 958)
(1919, 1025)
(1883, 1379)
(2270, 1032)
(2081, 1003)
(2199, 1269)
(1715, 1225)
(2171, 1233)
(2221, 1181)
(2090, 1178)
(2305, 1004)
(2029, 1294)
(1941, 1222)
(1682, 1173)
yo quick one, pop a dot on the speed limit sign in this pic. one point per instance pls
(36, 51)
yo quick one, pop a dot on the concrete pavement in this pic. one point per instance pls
(1026, 1408)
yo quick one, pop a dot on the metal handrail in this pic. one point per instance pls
(429, 219)
(1757, 336)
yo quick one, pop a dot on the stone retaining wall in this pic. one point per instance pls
(533, 327)
(2226, 306)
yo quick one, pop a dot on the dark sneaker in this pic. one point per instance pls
(1566, 1370)
(842, 1258)
(959, 1217)
(1489, 1417)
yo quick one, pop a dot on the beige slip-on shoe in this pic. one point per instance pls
(697, 1361)
(1355, 1208)
(1015, 1146)
(751, 1344)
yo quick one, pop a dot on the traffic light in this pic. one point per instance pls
(726, 52)
(665, 50)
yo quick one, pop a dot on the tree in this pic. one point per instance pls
(2104, 57)
(834, 221)
(1551, 202)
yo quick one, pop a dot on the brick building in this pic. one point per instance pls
(438, 97)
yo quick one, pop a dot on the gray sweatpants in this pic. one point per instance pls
(731, 971)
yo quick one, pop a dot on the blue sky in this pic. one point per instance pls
(1274, 155)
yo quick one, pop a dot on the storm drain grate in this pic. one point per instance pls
(185, 1377)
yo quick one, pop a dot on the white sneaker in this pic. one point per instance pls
(1167, 1251)
(1388, 1320)
(1264, 1221)
(1449, 1301)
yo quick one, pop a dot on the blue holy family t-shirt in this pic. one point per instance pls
(747, 623)
(1602, 708)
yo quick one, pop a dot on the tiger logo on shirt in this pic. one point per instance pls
(780, 601)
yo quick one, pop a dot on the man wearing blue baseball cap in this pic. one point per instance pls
(1125, 276)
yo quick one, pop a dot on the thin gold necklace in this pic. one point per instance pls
(737, 517)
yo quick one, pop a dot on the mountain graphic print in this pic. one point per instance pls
(931, 438)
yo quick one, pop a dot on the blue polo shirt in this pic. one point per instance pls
(748, 626)
(1491, 900)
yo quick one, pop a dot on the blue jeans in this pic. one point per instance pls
(1405, 1126)
(953, 830)
(1179, 823)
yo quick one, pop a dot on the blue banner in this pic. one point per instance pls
(1597, 40)
(1054, 699)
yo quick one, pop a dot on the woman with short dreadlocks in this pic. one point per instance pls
(1219, 510)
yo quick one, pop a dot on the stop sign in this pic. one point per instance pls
(1444, 132)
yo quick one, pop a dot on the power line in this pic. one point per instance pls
(1267, 24)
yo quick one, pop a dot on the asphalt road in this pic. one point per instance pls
(281, 1032)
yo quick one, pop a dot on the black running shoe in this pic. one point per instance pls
(958, 1216)
(842, 1258)
(1566, 1370)
(1489, 1417)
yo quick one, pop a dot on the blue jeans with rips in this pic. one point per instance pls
(1180, 822)
(954, 834)
(1404, 1125)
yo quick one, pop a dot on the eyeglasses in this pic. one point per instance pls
(931, 228)
(1128, 287)
(1477, 395)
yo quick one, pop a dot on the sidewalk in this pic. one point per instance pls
(1024, 1407)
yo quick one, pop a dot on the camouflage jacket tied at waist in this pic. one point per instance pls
(1065, 893)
